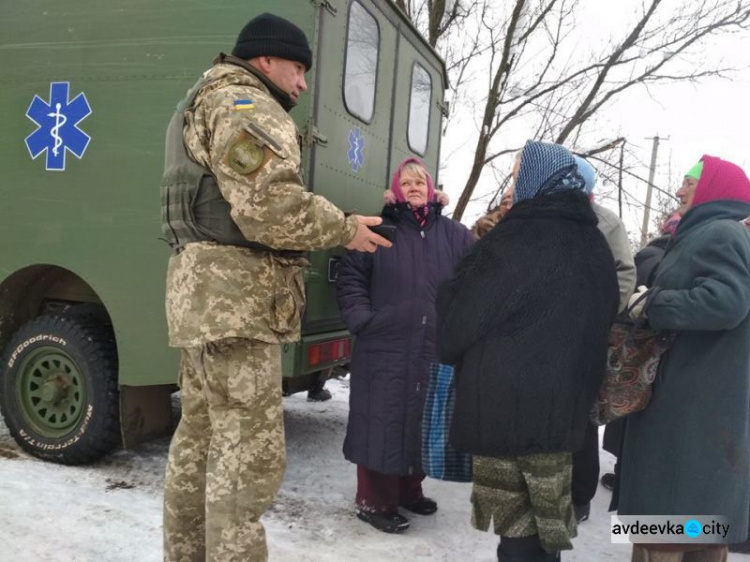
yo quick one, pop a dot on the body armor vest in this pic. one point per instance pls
(192, 207)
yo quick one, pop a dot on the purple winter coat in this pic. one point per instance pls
(387, 300)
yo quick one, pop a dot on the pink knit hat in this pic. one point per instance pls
(721, 180)
(396, 181)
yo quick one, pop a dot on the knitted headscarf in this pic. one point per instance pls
(721, 180)
(545, 169)
(587, 172)
(396, 181)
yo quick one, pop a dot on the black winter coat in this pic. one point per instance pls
(387, 299)
(526, 321)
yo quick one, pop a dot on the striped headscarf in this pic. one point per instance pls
(546, 168)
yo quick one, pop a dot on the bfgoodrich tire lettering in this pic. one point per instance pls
(58, 388)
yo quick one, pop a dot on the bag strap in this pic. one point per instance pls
(649, 296)
(640, 320)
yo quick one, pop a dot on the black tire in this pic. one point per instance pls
(91, 312)
(58, 388)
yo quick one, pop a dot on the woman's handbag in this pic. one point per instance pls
(439, 459)
(632, 362)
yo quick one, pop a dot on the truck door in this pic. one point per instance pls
(353, 109)
(417, 103)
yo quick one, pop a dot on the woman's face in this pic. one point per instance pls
(516, 167)
(414, 188)
(685, 194)
(506, 201)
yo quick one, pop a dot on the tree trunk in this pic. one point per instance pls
(437, 9)
(471, 183)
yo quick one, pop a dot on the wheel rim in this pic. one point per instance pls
(51, 391)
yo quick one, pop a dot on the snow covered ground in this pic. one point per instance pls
(111, 511)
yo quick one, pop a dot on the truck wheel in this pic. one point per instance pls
(58, 388)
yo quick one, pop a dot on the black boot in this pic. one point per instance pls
(524, 549)
(582, 511)
(388, 522)
(318, 392)
(425, 506)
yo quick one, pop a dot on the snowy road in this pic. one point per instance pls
(111, 511)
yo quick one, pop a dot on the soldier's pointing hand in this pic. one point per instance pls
(365, 240)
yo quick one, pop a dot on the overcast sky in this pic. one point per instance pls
(711, 117)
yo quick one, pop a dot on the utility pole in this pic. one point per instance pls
(647, 210)
(619, 179)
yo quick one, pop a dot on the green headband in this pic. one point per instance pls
(695, 171)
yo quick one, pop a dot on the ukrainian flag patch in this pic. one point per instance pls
(244, 105)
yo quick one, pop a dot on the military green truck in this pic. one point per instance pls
(86, 92)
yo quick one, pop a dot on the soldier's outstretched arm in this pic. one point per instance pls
(365, 240)
(254, 155)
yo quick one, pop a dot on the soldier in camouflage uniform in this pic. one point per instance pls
(238, 217)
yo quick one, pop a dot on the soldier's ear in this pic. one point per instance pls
(262, 63)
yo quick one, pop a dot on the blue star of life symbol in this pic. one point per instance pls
(356, 154)
(57, 125)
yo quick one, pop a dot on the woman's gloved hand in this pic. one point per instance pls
(637, 302)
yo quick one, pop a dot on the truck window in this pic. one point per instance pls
(419, 109)
(361, 66)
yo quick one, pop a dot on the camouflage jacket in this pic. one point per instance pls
(215, 291)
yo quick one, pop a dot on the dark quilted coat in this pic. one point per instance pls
(387, 299)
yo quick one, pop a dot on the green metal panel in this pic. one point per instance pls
(99, 218)
(290, 359)
(134, 60)
(409, 55)
(384, 135)
(333, 175)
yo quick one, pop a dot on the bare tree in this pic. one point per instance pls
(444, 24)
(439, 16)
(534, 73)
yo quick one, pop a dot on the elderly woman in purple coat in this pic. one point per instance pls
(387, 300)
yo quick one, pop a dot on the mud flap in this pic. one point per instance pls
(145, 413)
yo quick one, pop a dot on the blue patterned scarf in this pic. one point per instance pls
(545, 169)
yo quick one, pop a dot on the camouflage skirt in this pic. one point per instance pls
(525, 495)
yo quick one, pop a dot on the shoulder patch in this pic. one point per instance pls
(245, 156)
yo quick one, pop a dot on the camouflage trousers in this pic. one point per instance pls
(525, 495)
(227, 457)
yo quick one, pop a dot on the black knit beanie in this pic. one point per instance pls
(268, 35)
